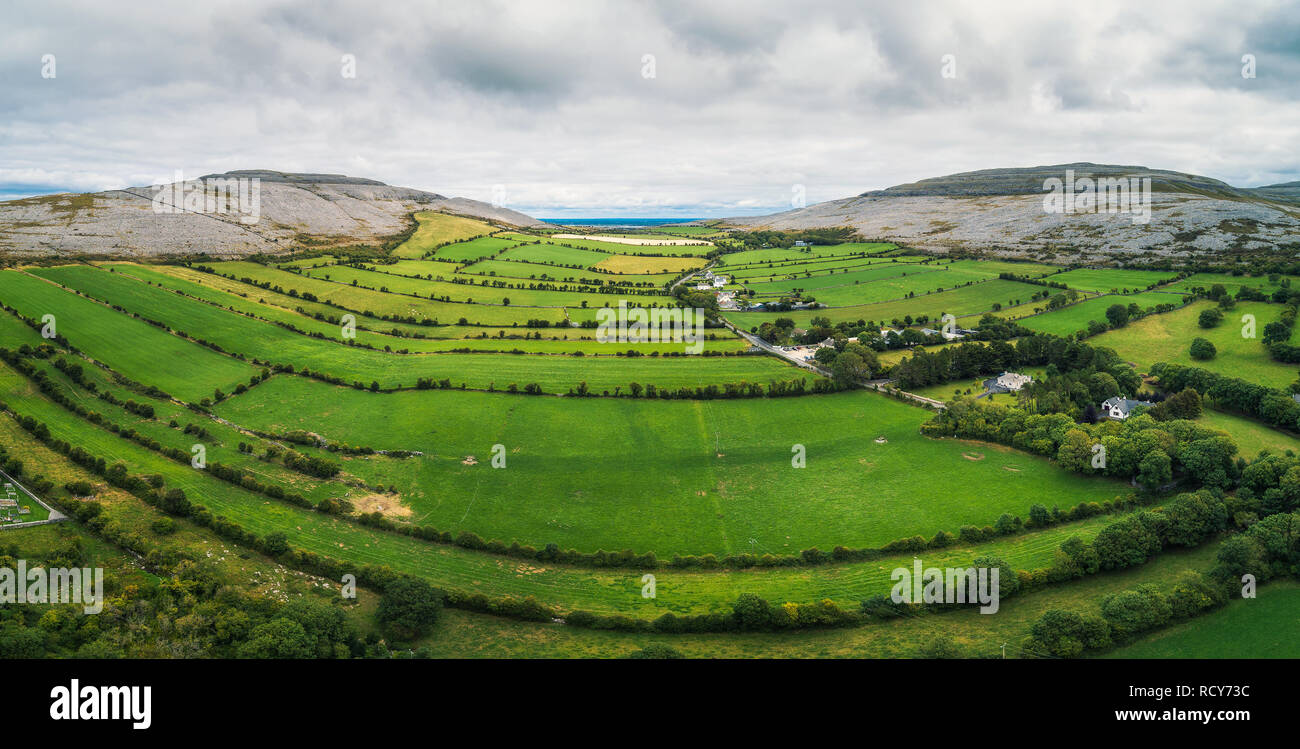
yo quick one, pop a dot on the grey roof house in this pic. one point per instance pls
(1120, 408)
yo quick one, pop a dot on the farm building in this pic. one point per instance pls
(1120, 408)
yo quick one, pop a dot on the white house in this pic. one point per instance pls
(1007, 382)
(1120, 408)
(720, 281)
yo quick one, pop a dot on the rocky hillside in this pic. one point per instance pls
(322, 208)
(1002, 211)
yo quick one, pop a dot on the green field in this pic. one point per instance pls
(1207, 281)
(966, 300)
(707, 475)
(692, 476)
(258, 340)
(1167, 338)
(609, 590)
(1111, 280)
(435, 228)
(1251, 436)
(1263, 627)
(1074, 318)
(469, 251)
(133, 347)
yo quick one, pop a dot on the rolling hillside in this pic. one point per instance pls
(319, 208)
(1002, 210)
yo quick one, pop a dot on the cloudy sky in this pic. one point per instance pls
(650, 108)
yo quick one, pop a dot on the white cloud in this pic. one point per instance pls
(548, 99)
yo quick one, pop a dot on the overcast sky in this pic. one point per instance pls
(559, 103)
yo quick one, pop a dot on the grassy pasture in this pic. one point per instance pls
(619, 248)
(993, 267)
(1206, 281)
(256, 339)
(675, 476)
(1251, 436)
(467, 635)
(790, 271)
(967, 300)
(274, 306)
(474, 249)
(1259, 628)
(646, 265)
(555, 274)
(601, 590)
(434, 228)
(913, 280)
(375, 303)
(133, 347)
(845, 277)
(777, 254)
(480, 292)
(1074, 318)
(1103, 280)
(1167, 338)
(550, 254)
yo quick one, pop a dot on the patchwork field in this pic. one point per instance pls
(974, 299)
(702, 476)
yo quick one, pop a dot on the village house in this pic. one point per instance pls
(1007, 382)
(1120, 408)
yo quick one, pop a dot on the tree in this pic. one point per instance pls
(409, 607)
(1065, 634)
(1155, 470)
(1117, 314)
(1135, 611)
(1210, 318)
(751, 612)
(278, 638)
(849, 368)
(1202, 349)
